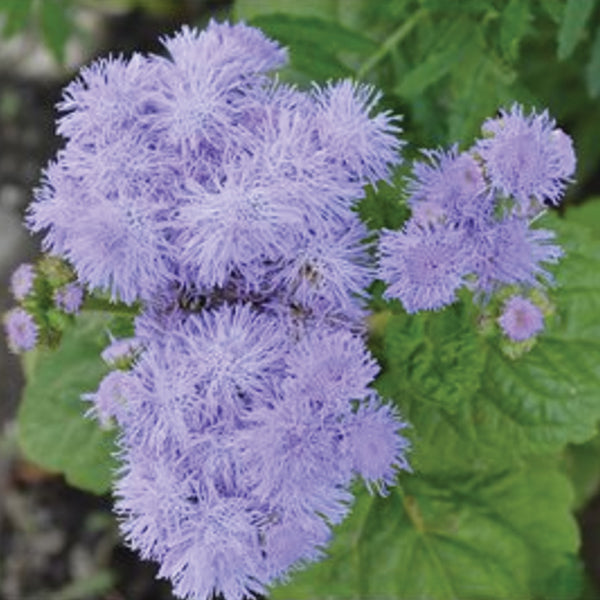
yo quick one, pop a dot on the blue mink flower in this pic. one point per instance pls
(511, 252)
(21, 330)
(424, 265)
(527, 157)
(521, 319)
(449, 186)
(21, 281)
(224, 204)
(236, 436)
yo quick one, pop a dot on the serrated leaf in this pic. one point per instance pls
(587, 215)
(582, 465)
(592, 70)
(328, 36)
(554, 9)
(490, 536)
(17, 13)
(432, 357)
(448, 51)
(249, 9)
(575, 17)
(53, 430)
(56, 26)
(478, 88)
(514, 25)
(515, 407)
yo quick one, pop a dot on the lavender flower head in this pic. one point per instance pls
(521, 319)
(21, 330)
(69, 298)
(473, 215)
(239, 444)
(527, 156)
(21, 281)
(223, 203)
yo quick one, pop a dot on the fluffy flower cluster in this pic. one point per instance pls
(223, 203)
(472, 214)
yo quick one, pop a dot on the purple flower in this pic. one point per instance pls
(329, 270)
(527, 157)
(21, 330)
(510, 252)
(366, 147)
(221, 201)
(424, 266)
(378, 451)
(110, 400)
(121, 351)
(69, 298)
(113, 240)
(239, 443)
(450, 186)
(521, 319)
(21, 281)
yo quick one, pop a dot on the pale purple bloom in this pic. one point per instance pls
(69, 298)
(330, 269)
(21, 330)
(527, 157)
(511, 252)
(221, 201)
(365, 146)
(521, 319)
(121, 351)
(236, 436)
(377, 449)
(449, 186)
(21, 281)
(110, 400)
(423, 265)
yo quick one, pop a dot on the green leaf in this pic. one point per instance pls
(499, 536)
(315, 45)
(554, 9)
(329, 36)
(446, 52)
(53, 430)
(582, 465)
(323, 9)
(468, 401)
(56, 26)
(17, 14)
(432, 357)
(514, 25)
(587, 215)
(478, 88)
(575, 17)
(592, 70)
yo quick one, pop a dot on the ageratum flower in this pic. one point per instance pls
(235, 437)
(195, 169)
(527, 157)
(463, 230)
(69, 298)
(21, 330)
(424, 265)
(21, 281)
(449, 186)
(511, 252)
(521, 319)
(223, 202)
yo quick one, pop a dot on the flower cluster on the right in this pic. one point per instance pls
(472, 220)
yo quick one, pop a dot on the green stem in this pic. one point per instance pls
(390, 43)
(101, 305)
